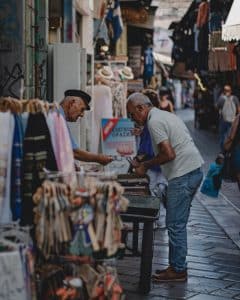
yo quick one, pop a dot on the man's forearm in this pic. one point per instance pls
(158, 160)
(85, 156)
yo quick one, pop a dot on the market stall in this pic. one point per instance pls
(62, 228)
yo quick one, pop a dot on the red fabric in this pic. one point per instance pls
(202, 17)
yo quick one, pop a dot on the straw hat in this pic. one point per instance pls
(106, 72)
(126, 73)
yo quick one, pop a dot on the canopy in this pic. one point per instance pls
(231, 29)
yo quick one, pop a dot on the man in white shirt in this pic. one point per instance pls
(181, 164)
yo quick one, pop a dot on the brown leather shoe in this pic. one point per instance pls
(170, 275)
(161, 271)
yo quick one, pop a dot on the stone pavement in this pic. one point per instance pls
(213, 254)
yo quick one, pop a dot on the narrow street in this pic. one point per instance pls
(213, 242)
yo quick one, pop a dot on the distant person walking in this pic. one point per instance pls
(228, 106)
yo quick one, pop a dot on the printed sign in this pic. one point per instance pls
(118, 141)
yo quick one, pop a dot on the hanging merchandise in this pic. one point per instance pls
(75, 227)
(16, 263)
(6, 122)
(36, 137)
(51, 217)
(94, 213)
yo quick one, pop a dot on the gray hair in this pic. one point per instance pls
(139, 99)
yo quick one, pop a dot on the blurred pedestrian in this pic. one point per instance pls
(165, 103)
(228, 106)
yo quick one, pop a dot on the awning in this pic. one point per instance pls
(170, 12)
(163, 59)
(231, 29)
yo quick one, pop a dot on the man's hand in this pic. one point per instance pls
(140, 170)
(104, 159)
(136, 131)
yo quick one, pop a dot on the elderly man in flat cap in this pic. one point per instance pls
(73, 107)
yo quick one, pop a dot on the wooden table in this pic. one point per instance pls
(143, 209)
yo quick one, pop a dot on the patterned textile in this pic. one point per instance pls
(37, 154)
(17, 155)
(7, 126)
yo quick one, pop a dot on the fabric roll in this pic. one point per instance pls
(37, 154)
(17, 155)
(6, 122)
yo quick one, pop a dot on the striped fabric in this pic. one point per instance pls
(38, 154)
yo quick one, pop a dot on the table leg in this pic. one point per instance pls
(135, 238)
(146, 258)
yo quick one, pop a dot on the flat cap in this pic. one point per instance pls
(78, 93)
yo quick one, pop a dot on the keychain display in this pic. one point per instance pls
(52, 217)
(73, 225)
(98, 217)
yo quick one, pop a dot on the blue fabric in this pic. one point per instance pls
(17, 156)
(208, 185)
(114, 16)
(224, 128)
(145, 147)
(73, 142)
(148, 63)
(215, 22)
(181, 191)
(236, 158)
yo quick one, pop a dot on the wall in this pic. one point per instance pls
(11, 47)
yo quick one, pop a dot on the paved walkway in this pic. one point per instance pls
(213, 255)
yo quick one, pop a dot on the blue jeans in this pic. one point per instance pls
(224, 128)
(181, 191)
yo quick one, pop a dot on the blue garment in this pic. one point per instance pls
(236, 158)
(148, 63)
(145, 147)
(180, 193)
(114, 16)
(16, 172)
(215, 21)
(73, 142)
(224, 128)
(208, 187)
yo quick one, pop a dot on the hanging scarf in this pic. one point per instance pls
(7, 126)
(17, 155)
(37, 154)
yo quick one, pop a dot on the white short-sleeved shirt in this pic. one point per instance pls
(164, 126)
